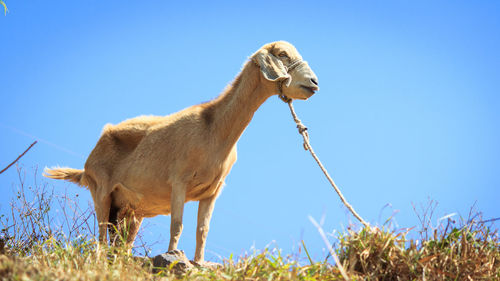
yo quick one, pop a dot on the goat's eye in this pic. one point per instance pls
(283, 55)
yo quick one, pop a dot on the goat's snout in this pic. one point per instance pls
(314, 81)
(310, 79)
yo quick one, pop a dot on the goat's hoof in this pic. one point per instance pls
(206, 264)
(176, 252)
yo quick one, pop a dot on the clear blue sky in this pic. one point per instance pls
(409, 106)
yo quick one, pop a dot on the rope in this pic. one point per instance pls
(307, 146)
(293, 65)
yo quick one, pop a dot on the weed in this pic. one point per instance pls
(468, 250)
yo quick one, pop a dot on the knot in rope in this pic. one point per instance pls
(302, 128)
(307, 146)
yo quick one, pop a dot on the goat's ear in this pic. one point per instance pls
(271, 67)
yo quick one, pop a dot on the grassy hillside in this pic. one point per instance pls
(35, 247)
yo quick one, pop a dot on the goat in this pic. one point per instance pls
(152, 165)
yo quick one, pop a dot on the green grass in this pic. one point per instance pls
(2, 3)
(464, 254)
(88, 261)
(35, 247)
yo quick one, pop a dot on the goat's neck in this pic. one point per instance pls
(234, 109)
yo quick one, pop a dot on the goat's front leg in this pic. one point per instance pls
(205, 209)
(177, 208)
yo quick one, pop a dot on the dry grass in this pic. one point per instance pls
(88, 262)
(42, 243)
(80, 260)
(470, 252)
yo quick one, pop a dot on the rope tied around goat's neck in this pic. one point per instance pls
(307, 146)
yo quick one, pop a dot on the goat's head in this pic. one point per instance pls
(282, 64)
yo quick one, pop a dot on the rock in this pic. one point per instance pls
(182, 264)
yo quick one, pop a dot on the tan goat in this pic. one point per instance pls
(147, 166)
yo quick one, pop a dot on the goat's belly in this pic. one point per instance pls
(153, 212)
(150, 207)
(202, 191)
(145, 202)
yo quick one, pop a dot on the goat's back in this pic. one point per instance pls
(115, 144)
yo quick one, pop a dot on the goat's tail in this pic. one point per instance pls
(69, 174)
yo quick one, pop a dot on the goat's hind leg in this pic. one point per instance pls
(113, 225)
(102, 205)
(123, 222)
(128, 225)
